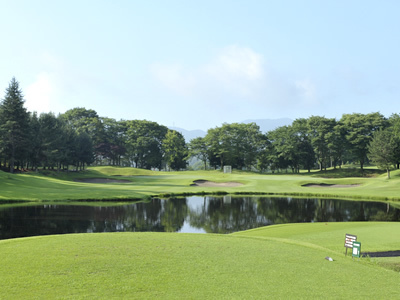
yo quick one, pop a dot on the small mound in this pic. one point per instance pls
(102, 180)
(330, 185)
(206, 183)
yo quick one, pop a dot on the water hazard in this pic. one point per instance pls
(192, 214)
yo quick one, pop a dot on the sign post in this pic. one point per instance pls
(349, 240)
(356, 249)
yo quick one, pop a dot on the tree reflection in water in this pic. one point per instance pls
(206, 214)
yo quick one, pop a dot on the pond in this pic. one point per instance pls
(207, 214)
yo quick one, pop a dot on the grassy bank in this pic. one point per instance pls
(140, 184)
(282, 261)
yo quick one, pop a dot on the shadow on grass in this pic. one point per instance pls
(335, 173)
(347, 172)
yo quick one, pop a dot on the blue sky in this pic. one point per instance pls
(197, 64)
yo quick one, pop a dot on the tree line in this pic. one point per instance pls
(81, 137)
(315, 142)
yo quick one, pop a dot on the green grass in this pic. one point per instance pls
(377, 236)
(277, 262)
(142, 184)
(280, 261)
(349, 172)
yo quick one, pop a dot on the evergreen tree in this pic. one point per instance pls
(14, 125)
(35, 146)
(52, 140)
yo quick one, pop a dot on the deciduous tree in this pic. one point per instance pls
(382, 150)
(175, 150)
(198, 148)
(359, 129)
(235, 144)
(319, 129)
(144, 143)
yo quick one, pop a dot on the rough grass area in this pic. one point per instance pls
(277, 262)
(137, 184)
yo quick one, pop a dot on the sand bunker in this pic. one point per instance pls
(207, 183)
(330, 185)
(102, 180)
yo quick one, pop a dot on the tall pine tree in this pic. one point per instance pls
(14, 125)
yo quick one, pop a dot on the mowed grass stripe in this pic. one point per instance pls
(374, 236)
(171, 265)
(142, 184)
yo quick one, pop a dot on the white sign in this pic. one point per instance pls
(348, 242)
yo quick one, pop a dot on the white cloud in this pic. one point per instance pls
(61, 86)
(45, 93)
(237, 78)
(235, 70)
(38, 95)
(237, 62)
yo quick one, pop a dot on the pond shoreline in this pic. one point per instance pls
(194, 214)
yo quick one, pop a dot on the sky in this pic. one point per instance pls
(198, 64)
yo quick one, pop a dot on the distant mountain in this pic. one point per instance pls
(189, 134)
(270, 124)
(265, 126)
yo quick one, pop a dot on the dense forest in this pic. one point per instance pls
(80, 137)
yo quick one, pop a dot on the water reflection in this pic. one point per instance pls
(193, 214)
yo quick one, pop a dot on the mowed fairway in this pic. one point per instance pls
(140, 184)
(282, 261)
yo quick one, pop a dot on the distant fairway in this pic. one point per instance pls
(278, 262)
(113, 183)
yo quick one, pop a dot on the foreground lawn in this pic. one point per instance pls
(283, 262)
(140, 184)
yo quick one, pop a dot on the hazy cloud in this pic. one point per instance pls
(306, 90)
(235, 70)
(234, 75)
(60, 86)
(238, 69)
(174, 77)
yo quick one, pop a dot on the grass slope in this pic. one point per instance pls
(273, 262)
(140, 184)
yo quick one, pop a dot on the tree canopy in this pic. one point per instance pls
(382, 150)
(81, 137)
